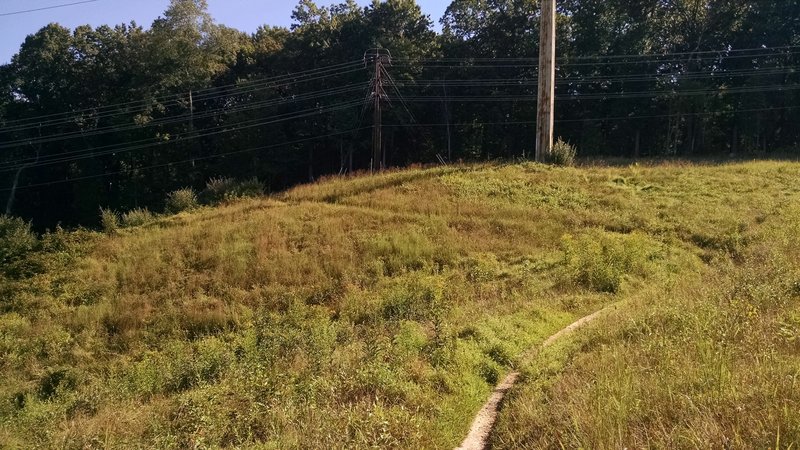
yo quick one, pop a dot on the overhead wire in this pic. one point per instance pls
(411, 83)
(789, 70)
(46, 8)
(596, 119)
(608, 95)
(72, 120)
(616, 56)
(182, 97)
(532, 64)
(184, 161)
(82, 134)
(149, 143)
(241, 89)
(399, 94)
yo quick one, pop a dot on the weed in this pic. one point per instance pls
(109, 220)
(223, 189)
(563, 153)
(601, 260)
(16, 242)
(181, 200)
(137, 217)
(16, 239)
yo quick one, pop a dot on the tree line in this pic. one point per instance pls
(118, 116)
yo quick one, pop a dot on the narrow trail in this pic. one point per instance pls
(482, 426)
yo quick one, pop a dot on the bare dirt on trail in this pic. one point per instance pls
(478, 437)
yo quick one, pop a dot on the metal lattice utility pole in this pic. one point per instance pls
(379, 57)
(547, 75)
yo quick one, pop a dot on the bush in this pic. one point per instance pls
(109, 220)
(224, 189)
(181, 200)
(248, 188)
(563, 153)
(137, 217)
(601, 261)
(16, 239)
(216, 188)
(417, 298)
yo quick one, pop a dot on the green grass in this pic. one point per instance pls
(379, 311)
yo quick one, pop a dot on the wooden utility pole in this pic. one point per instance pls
(547, 75)
(380, 57)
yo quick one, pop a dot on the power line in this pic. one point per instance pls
(412, 83)
(510, 82)
(148, 143)
(630, 55)
(254, 85)
(454, 83)
(63, 5)
(636, 77)
(399, 94)
(186, 161)
(725, 53)
(417, 125)
(183, 117)
(266, 83)
(532, 64)
(597, 119)
(82, 154)
(71, 120)
(609, 95)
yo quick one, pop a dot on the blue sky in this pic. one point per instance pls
(246, 15)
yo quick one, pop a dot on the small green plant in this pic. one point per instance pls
(216, 189)
(223, 189)
(248, 188)
(109, 220)
(601, 261)
(563, 153)
(137, 217)
(181, 200)
(16, 239)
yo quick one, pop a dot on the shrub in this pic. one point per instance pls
(563, 153)
(601, 261)
(16, 239)
(416, 298)
(181, 200)
(109, 220)
(248, 188)
(137, 217)
(216, 188)
(224, 189)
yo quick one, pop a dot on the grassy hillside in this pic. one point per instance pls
(702, 362)
(380, 311)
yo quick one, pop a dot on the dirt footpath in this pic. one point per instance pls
(482, 426)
